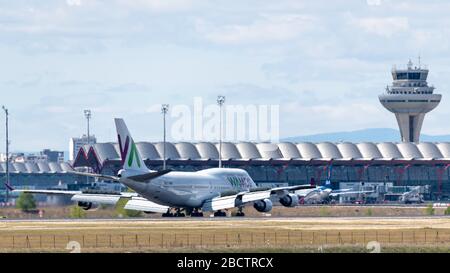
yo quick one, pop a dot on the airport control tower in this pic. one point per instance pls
(410, 98)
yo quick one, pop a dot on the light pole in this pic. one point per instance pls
(7, 154)
(88, 115)
(220, 102)
(164, 110)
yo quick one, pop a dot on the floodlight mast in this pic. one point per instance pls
(220, 102)
(7, 184)
(164, 110)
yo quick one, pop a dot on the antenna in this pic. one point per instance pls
(420, 61)
(410, 64)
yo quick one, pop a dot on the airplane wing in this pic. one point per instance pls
(134, 203)
(349, 193)
(142, 204)
(231, 201)
(256, 195)
(305, 192)
(294, 188)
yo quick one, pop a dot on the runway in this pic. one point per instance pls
(276, 223)
(220, 219)
(191, 234)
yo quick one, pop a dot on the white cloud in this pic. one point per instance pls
(73, 2)
(374, 2)
(440, 38)
(155, 108)
(159, 5)
(268, 28)
(325, 117)
(383, 26)
(322, 61)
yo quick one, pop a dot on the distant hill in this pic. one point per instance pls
(364, 135)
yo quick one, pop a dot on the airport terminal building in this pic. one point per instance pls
(398, 164)
(401, 164)
(39, 175)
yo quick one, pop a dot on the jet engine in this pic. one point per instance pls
(263, 205)
(289, 200)
(87, 205)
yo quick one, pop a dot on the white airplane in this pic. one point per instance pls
(412, 196)
(172, 192)
(323, 194)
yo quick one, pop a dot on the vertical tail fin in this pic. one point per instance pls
(129, 154)
(328, 181)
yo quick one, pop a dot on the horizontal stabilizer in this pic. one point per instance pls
(148, 176)
(57, 192)
(95, 175)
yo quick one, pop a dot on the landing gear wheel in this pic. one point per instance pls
(197, 214)
(220, 214)
(180, 214)
(167, 214)
(240, 213)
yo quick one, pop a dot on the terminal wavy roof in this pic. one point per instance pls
(246, 151)
(35, 168)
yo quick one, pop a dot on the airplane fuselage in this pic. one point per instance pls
(314, 196)
(191, 189)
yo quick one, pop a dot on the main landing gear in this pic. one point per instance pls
(240, 213)
(167, 214)
(196, 213)
(178, 213)
(220, 213)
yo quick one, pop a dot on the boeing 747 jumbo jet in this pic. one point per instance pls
(175, 193)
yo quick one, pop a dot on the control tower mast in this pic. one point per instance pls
(410, 98)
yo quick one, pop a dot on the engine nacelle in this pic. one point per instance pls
(289, 200)
(263, 205)
(86, 205)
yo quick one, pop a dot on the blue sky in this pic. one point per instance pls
(324, 62)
